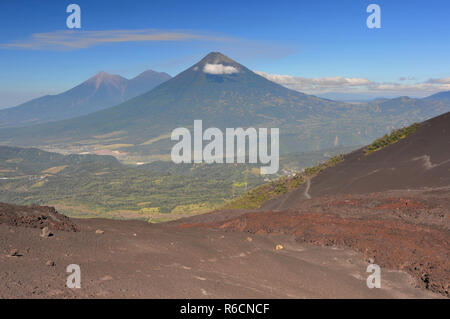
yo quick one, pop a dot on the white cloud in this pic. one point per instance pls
(341, 84)
(308, 84)
(416, 89)
(219, 69)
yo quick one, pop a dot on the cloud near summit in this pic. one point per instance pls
(219, 69)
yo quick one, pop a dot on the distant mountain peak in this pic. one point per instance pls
(96, 93)
(148, 71)
(218, 58)
(151, 73)
(216, 55)
(101, 75)
(217, 63)
(105, 78)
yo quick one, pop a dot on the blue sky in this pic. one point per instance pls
(316, 46)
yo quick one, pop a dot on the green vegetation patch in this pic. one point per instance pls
(99, 186)
(392, 138)
(260, 194)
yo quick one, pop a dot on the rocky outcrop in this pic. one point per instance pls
(36, 217)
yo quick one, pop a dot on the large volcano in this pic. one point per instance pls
(224, 93)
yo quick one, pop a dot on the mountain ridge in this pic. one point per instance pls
(224, 93)
(444, 95)
(98, 92)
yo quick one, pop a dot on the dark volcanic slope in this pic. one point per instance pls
(401, 230)
(420, 160)
(391, 205)
(133, 259)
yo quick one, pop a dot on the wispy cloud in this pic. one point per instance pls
(80, 39)
(439, 81)
(357, 85)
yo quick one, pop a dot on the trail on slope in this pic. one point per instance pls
(308, 186)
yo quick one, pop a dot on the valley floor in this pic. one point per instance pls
(134, 259)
